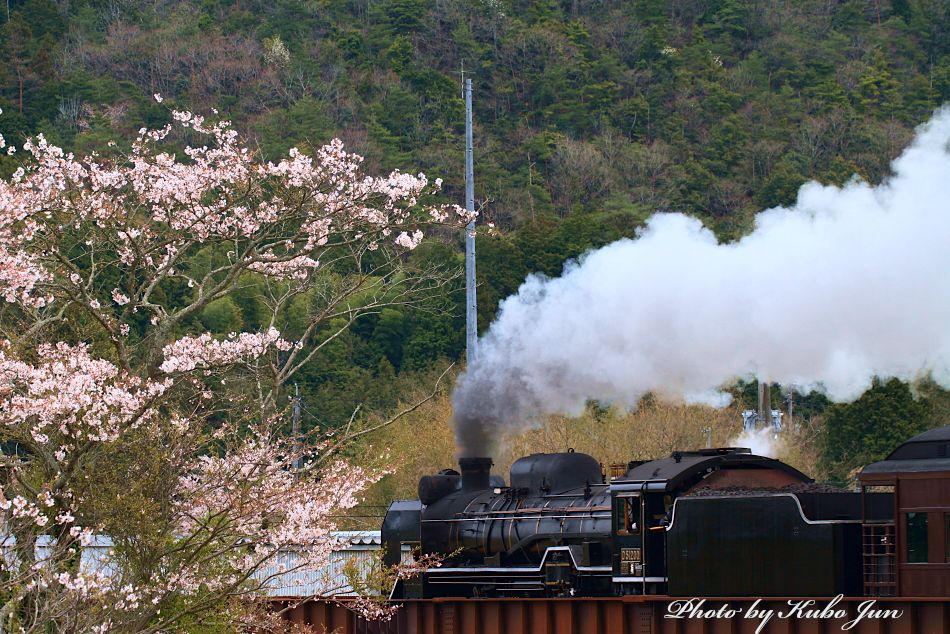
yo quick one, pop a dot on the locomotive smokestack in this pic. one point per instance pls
(476, 473)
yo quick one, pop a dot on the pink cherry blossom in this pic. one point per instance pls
(204, 351)
(110, 250)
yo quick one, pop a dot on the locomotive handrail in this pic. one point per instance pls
(798, 504)
(517, 517)
(540, 566)
(565, 509)
(570, 495)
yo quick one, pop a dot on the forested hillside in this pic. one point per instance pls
(590, 115)
(715, 107)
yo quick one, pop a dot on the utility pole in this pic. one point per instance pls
(471, 314)
(791, 404)
(295, 418)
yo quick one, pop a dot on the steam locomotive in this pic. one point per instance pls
(713, 522)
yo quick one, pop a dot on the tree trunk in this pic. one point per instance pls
(19, 77)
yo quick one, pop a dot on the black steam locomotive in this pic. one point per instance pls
(714, 522)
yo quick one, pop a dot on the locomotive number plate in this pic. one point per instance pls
(629, 554)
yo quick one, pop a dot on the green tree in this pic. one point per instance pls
(402, 16)
(878, 91)
(782, 185)
(16, 52)
(870, 428)
(902, 9)
(222, 316)
(390, 333)
(730, 19)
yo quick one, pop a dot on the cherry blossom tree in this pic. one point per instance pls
(118, 419)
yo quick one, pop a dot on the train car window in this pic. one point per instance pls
(627, 517)
(916, 525)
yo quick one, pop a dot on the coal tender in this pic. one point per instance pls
(558, 529)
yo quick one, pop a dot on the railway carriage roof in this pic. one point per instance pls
(926, 452)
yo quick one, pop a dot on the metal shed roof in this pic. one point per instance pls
(360, 538)
(284, 576)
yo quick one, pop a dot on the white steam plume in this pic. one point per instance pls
(850, 283)
(762, 442)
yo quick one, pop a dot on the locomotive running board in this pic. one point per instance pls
(523, 569)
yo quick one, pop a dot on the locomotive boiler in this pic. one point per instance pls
(552, 520)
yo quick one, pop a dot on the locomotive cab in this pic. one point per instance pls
(639, 545)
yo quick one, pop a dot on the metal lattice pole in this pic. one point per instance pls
(471, 314)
